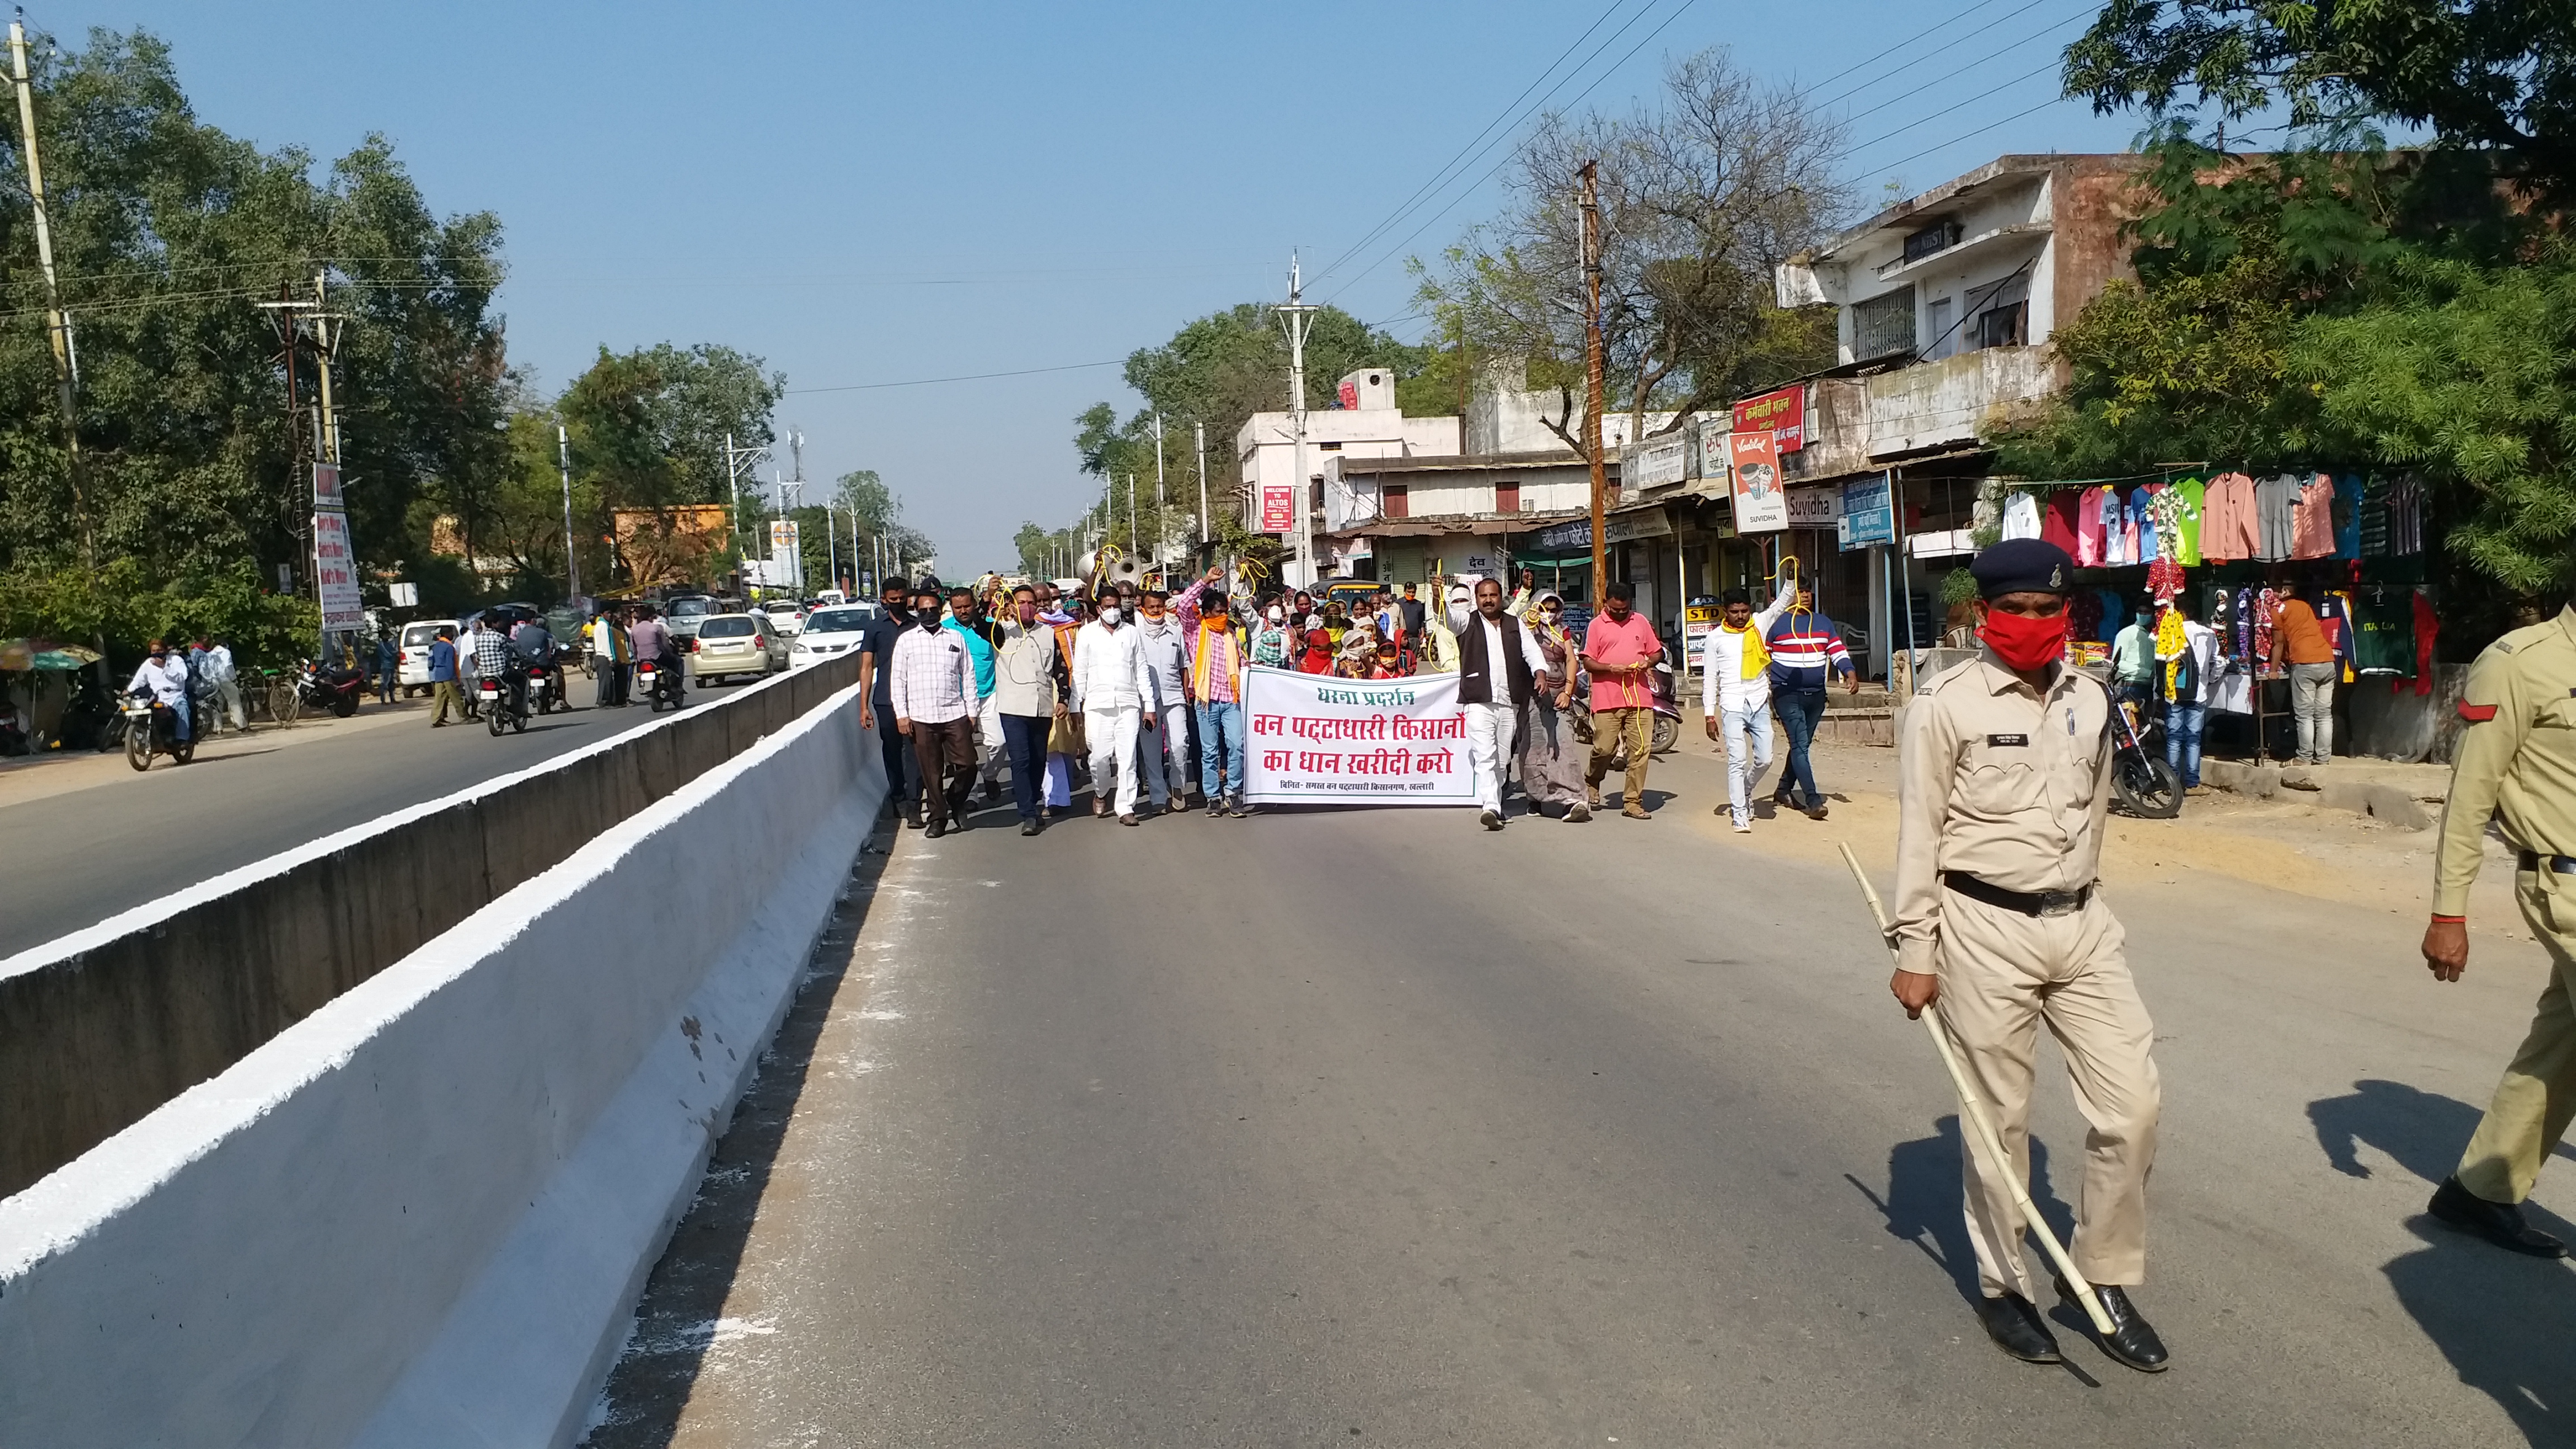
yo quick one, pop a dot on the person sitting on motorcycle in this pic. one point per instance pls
(492, 661)
(651, 640)
(164, 679)
(532, 646)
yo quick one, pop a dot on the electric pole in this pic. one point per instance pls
(58, 324)
(326, 340)
(1198, 433)
(1592, 375)
(572, 560)
(1297, 316)
(1158, 488)
(1131, 515)
(739, 461)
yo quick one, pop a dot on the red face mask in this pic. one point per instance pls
(2023, 641)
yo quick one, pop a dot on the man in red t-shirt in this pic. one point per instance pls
(1620, 648)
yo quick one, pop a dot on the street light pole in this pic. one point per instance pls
(1297, 316)
(572, 560)
(1592, 375)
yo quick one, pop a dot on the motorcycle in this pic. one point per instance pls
(661, 683)
(2140, 775)
(324, 686)
(1659, 693)
(152, 729)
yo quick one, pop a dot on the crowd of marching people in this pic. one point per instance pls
(1136, 692)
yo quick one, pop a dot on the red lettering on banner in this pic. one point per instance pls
(1432, 762)
(1276, 759)
(1320, 764)
(1269, 724)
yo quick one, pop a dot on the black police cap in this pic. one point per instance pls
(2022, 566)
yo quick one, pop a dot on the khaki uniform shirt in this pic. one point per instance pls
(1996, 781)
(2516, 758)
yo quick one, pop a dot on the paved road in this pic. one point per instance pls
(78, 857)
(1370, 1128)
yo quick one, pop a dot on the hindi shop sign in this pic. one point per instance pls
(1782, 414)
(1317, 740)
(335, 570)
(1869, 514)
(1278, 508)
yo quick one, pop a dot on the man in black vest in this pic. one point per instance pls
(1489, 639)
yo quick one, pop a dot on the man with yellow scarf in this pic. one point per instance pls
(1736, 697)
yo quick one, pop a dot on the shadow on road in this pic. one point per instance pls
(680, 1317)
(1926, 1183)
(2505, 1323)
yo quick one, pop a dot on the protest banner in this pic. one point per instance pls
(1317, 740)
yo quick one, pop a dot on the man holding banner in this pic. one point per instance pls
(1491, 643)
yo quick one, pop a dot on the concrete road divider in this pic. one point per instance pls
(422, 1213)
(107, 1023)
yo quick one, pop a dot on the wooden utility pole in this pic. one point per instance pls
(1592, 377)
(58, 325)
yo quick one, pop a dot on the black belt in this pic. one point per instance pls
(2558, 864)
(2029, 903)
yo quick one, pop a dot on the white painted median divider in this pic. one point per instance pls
(422, 1214)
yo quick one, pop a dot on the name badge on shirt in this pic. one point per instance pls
(1996, 742)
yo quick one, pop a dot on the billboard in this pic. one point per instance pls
(1761, 504)
(1869, 514)
(1656, 462)
(1278, 508)
(1782, 414)
(335, 571)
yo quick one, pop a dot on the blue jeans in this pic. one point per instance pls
(2182, 739)
(1220, 743)
(1024, 738)
(1799, 712)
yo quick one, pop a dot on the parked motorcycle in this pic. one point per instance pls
(324, 686)
(2140, 775)
(152, 729)
(661, 683)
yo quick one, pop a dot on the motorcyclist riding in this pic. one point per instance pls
(650, 639)
(164, 678)
(531, 646)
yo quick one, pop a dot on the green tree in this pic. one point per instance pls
(2496, 77)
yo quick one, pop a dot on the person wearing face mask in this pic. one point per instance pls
(934, 707)
(1114, 693)
(1166, 651)
(1735, 697)
(1499, 665)
(1024, 697)
(1271, 645)
(2003, 780)
(1551, 757)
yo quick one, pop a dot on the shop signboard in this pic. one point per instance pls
(1814, 507)
(335, 571)
(1782, 414)
(1576, 535)
(1712, 433)
(1761, 504)
(1278, 508)
(1869, 514)
(1657, 462)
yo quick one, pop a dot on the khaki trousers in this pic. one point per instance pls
(2002, 975)
(2537, 1097)
(444, 691)
(1612, 728)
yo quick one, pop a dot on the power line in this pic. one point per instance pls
(1853, 150)
(970, 377)
(1900, 45)
(1953, 73)
(1944, 47)
(1506, 116)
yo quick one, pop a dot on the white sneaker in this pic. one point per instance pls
(1741, 828)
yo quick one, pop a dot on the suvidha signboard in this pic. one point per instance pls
(1317, 740)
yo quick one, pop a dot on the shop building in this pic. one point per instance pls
(1365, 423)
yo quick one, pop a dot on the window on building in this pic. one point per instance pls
(1507, 498)
(1394, 500)
(1331, 447)
(1883, 325)
(2007, 326)
(1940, 236)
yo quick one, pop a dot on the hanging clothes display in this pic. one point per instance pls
(2267, 607)
(2383, 620)
(2115, 612)
(2245, 626)
(2375, 542)
(2347, 516)
(2334, 620)
(2057, 521)
(2426, 626)
(2406, 516)
(2276, 501)
(2164, 580)
(2312, 518)
(2084, 615)
(2091, 521)
(2148, 539)
(2021, 516)
(2188, 496)
(2228, 527)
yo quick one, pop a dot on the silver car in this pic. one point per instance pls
(736, 645)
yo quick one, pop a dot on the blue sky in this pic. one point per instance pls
(869, 193)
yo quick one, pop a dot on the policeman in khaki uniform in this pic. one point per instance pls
(2004, 777)
(2516, 762)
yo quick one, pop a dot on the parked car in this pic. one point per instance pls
(684, 613)
(731, 645)
(411, 661)
(833, 630)
(787, 618)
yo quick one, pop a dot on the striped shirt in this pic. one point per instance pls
(934, 676)
(1806, 649)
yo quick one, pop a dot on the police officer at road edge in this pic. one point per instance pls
(2003, 782)
(2515, 765)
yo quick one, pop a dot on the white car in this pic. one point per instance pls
(785, 618)
(411, 665)
(835, 629)
(736, 645)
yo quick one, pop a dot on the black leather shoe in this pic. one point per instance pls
(2016, 1328)
(2131, 1341)
(1028, 827)
(937, 829)
(2499, 1223)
